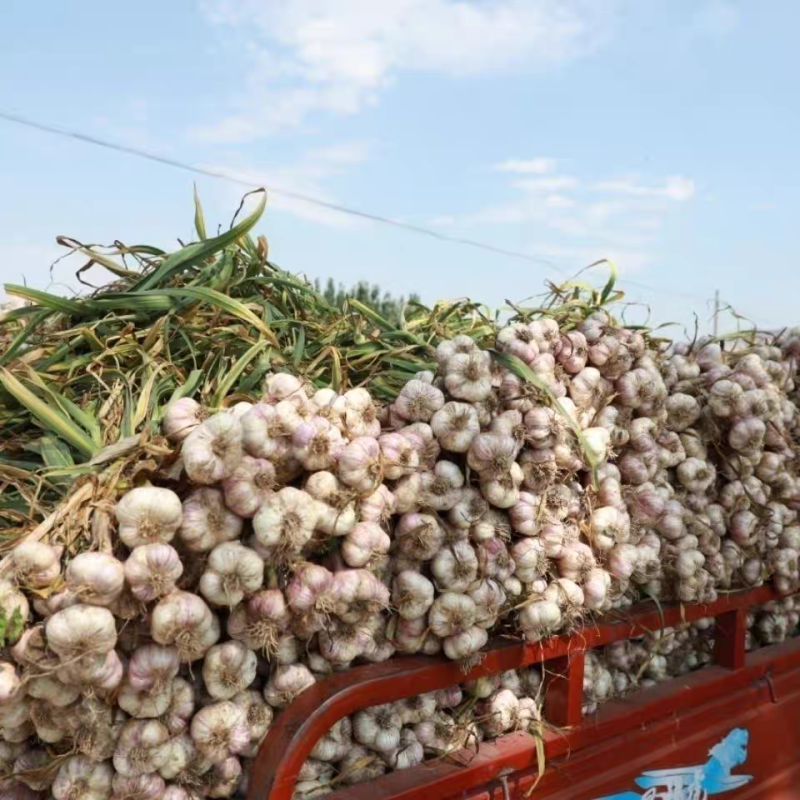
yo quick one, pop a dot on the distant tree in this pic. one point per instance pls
(387, 306)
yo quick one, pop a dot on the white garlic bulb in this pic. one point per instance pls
(232, 571)
(228, 669)
(207, 521)
(213, 449)
(95, 578)
(148, 515)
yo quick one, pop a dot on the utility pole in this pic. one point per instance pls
(716, 312)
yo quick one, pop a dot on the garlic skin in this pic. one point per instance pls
(152, 667)
(360, 464)
(468, 376)
(181, 417)
(220, 730)
(286, 521)
(360, 414)
(81, 630)
(183, 620)
(419, 536)
(229, 669)
(141, 748)
(258, 716)
(412, 594)
(152, 570)
(260, 621)
(418, 401)
(78, 778)
(207, 522)
(144, 703)
(35, 565)
(455, 568)
(287, 683)
(95, 578)
(366, 542)
(232, 572)
(148, 515)
(317, 444)
(250, 483)
(378, 728)
(213, 449)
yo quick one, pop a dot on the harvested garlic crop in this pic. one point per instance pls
(287, 683)
(250, 483)
(95, 578)
(147, 515)
(81, 630)
(213, 449)
(79, 778)
(35, 565)
(232, 571)
(260, 622)
(141, 747)
(228, 669)
(183, 620)
(220, 730)
(181, 417)
(286, 521)
(207, 522)
(152, 570)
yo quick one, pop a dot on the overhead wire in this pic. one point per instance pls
(315, 201)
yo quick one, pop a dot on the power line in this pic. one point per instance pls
(304, 198)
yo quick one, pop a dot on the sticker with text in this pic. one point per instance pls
(698, 782)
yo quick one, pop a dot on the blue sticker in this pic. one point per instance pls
(699, 782)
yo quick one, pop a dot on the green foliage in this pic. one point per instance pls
(11, 629)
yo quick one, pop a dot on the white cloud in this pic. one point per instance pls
(556, 183)
(675, 187)
(308, 176)
(335, 56)
(533, 166)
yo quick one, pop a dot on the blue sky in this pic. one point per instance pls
(660, 133)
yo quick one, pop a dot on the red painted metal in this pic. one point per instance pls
(298, 727)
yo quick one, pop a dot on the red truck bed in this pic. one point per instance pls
(730, 730)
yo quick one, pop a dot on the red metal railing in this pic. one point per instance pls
(313, 713)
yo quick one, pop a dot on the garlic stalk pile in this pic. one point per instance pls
(518, 491)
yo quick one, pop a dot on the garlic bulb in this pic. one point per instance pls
(81, 630)
(286, 521)
(183, 620)
(364, 544)
(334, 745)
(286, 684)
(181, 417)
(207, 522)
(144, 703)
(250, 483)
(418, 401)
(152, 570)
(96, 578)
(360, 415)
(78, 778)
(148, 515)
(378, 728)
(181, 707)
(213, 449)
(152, 668)
(455, 568)
(232, 571)
(228, 669)
(258, 716)
(220, 730)
(398, 456)
(259, 623)
(412, 594)
(35, 565)
(360, 464)
(141, 748)
(317, 444)
(419, 536)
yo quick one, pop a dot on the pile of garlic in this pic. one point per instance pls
(621, 668)
(311, 531)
